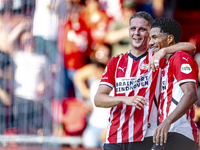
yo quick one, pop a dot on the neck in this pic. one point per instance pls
(136, 52)
(168, 55)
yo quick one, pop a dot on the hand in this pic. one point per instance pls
(136, 101)
(5, 98)
(25, 24)
(160, 133)
(40, 89)
(154, 61)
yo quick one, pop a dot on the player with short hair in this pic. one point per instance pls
(177, 129)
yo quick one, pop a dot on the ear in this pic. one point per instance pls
(170, 39)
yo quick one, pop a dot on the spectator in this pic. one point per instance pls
(77, 42)
(117, 34)
(154, 7)
(30, 86)
(8, 22)
(92, 74)
(113, 10)
(92, 71)
(96, 20)
(45, 24)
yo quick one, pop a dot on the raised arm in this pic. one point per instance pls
(80, 78)
(181, 46)
(25, 24)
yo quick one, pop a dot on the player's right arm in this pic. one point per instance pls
(181, 46)
(102, 99)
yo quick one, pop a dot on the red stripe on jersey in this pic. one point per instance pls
(169, 93)
(193, 125)
(115, 124)
(161, 106)
(194, 132)
(138, 133)
(125, 126)
(111, 110)
(187, 114)
(134, 68)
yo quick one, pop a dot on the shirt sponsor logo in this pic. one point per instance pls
(186, 68)
(144, 66)
(124, 85)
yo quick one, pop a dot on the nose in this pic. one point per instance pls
(137, 31)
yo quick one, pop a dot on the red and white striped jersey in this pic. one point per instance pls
(129, 76)
(179, 68)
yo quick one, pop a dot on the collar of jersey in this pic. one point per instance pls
(137, 58)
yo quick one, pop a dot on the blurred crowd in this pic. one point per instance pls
(53, 54)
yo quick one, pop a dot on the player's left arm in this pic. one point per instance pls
(187, 80)
(181, 46)
(187, 100)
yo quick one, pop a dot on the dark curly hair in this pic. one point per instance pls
(142, 14)
(169, 26)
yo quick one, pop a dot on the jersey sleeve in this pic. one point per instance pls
(184, 67)
(108, 77)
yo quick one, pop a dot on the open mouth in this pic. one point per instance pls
(137, 40)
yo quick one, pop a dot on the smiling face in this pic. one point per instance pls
(158, 39)
(139, 34)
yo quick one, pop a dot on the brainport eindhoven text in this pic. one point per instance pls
(130, 84)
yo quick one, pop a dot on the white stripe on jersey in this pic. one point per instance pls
(109, 124)
(131, 125)
(131, 122)
(122, 118)
(106, 83)
(188, 80)
(128, 70)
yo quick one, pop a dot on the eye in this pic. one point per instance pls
(154, 37)
(142, 29)
(132, 28)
